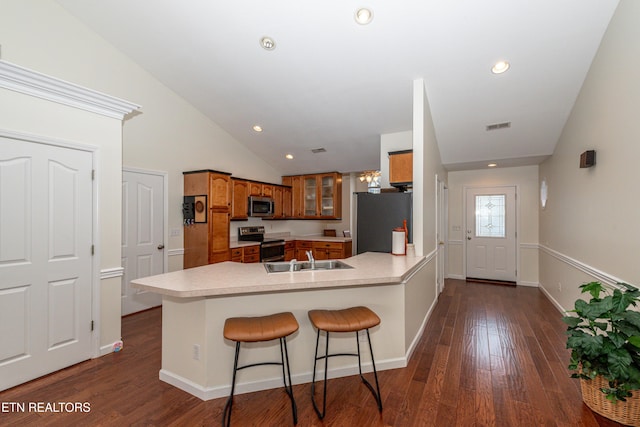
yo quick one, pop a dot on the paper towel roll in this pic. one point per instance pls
(397, 242)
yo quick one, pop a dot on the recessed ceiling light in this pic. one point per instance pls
(267, 43)
(289, 156)
(500, 67)
(363, 16)
(257, 128)
(492, 165)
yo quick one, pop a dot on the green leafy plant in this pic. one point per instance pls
(604, 338)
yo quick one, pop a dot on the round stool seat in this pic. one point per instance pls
(262, 328)
(346, 320)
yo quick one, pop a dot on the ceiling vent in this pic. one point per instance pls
(497, 126)
(318, 150)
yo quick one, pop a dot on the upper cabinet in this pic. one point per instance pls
(401, 168)
(260, 189)
(240, 194)
(316, 196)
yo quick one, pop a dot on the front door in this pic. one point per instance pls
(142, 236)
(46, 217)
(491, 233)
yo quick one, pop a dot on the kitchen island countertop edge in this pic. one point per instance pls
(232, 278)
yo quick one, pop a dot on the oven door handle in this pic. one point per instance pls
(272, 245)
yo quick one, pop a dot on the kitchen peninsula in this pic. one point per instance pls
(196, 302)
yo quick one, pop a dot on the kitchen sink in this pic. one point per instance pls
(281, 267)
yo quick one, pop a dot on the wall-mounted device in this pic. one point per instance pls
(194, 209)
(588, 159)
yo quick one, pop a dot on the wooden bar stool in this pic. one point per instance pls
(352, 319)
(256, 329)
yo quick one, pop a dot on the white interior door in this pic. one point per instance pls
(46, 217)
(441, 212)
(142, 236)
(491, 233)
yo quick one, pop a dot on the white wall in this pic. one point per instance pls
(589, 228)
(525, 178)
(34, 116)
(426, 166)
(168, 135)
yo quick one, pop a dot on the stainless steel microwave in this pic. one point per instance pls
(260, 206)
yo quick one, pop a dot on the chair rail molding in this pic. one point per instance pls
(594, 272)
(24, 80)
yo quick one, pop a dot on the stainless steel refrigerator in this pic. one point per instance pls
(376, 217)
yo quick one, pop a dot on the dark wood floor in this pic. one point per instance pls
(490, 356)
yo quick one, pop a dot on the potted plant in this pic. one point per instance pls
(604, 338)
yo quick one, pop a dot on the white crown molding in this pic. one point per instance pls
(23, 80)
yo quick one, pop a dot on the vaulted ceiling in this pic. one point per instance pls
(335, 84)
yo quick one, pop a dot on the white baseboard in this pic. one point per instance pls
(106, 349)
(456, 276)
(418, 336)
(553, 301)
(530, 284)
(208, 393)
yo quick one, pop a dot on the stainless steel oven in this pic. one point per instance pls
(270, 249)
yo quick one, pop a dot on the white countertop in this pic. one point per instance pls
(233, 278)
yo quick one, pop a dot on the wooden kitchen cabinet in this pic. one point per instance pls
(287, 211)
(246, 254)
(295, 183)
(240, 195)
(331, 250)
(320, 250)
(236, 254)
(278, 208)
(316, 196)
(289, 250)
(251, 254)
(302, 246)
(206, 243)
(260, 189)
(401, 167)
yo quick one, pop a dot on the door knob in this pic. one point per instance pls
(468, 238)
(160, 247)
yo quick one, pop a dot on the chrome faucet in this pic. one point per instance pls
(311, 259)
(292, 264)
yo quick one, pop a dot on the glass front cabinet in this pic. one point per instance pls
(321, 195)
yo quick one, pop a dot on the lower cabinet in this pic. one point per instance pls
(296, 249)
(322, 249)
(331, 250)
(251, 254)
(302, 246)
(289, 250)
(246, 254)
(236, 254)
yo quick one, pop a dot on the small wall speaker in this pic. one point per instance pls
(588, 159)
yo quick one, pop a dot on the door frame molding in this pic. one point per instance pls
(465, 188)
(95, 233)
(165, 208)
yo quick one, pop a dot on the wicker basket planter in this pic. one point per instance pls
(627, 413)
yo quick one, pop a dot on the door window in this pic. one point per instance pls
(490, 215)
